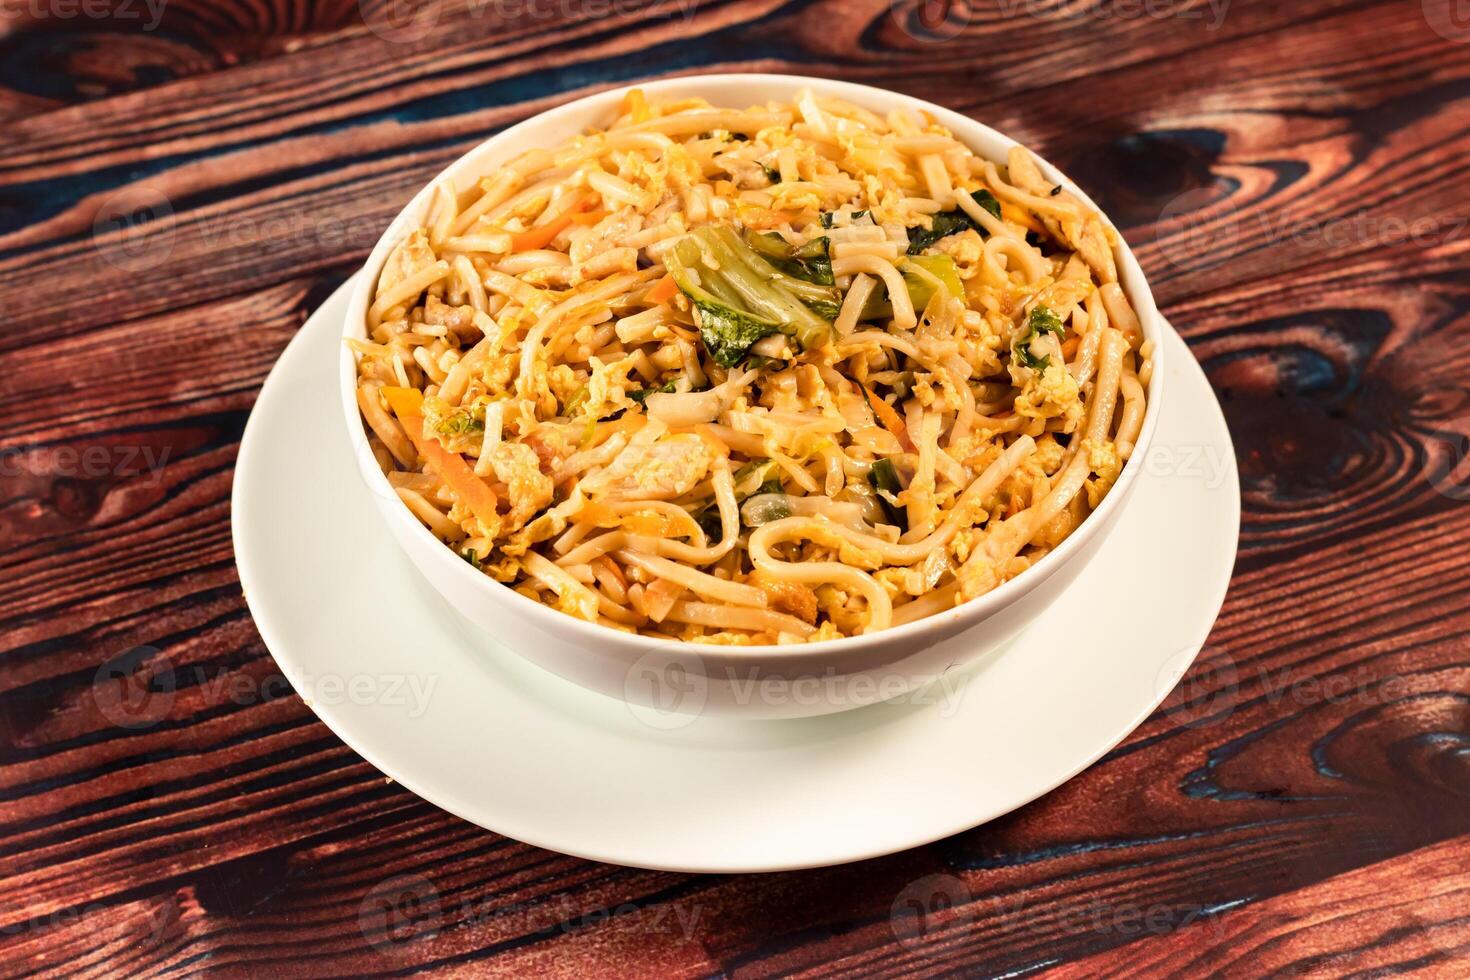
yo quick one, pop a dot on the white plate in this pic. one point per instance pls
(473, 728)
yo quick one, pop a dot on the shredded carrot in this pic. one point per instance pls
(890, 419)
(629, 423)
(541, 235)
(589, 217)
(663, 290)
(1018, 216)
(1069, 347)
(408, 405)
(649, 524)
(598, 515)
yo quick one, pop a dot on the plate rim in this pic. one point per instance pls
(330, 717)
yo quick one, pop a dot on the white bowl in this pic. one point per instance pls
(674, 679)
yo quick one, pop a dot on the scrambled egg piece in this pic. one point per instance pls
(966, 249)
(441, 314)
(980, 344)
(932, 389)
(608, 387)
(547, 526)
(667, 469)
(563, 381)
(847, 612)
(519, 468)
(1049, 454)
(1051, 394)
(725, 638)
(502, 569)
(495, 375)
(1103, 458)
(901, 583)
(981, 574)
(826, 631)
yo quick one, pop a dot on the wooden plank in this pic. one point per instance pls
(1271, 816)
(315, 156)
(1409, 917)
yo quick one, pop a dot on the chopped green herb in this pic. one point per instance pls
(884, 478)
(709, 520)
(1030, 360)
(1041, 321)
(460, 422)
(641, 395)
(471, 556)
(772, 174)
(947, 223)
(575, 401)
(828, 216)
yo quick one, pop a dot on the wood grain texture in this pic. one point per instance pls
(175, 201)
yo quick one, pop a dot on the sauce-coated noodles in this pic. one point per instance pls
(753, 376)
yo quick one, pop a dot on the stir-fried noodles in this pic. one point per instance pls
(770, 375)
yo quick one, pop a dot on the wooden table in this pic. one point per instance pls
(178, 192)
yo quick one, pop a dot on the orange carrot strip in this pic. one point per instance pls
(663, 290)
(408, 405)
(890, 419)
(1018, 216)
(541, 235)
(598, 515)
(589, 217)
(1069, 348)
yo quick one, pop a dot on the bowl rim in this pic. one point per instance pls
(917, 633)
